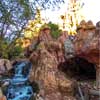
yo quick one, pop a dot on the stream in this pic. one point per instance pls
(19, 88)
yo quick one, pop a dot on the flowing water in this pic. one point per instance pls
(19, 88)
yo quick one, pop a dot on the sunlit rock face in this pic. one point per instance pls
(87, 43)
(53, 84)
(62, 37)
(46, 54)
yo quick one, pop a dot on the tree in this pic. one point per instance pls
(14, 15)
(33, 26)
(46, 4)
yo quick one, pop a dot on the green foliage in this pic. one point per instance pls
(15, 52)
(55, 31)
(33, 26)
(9, 53)
(27, 11)
(3, 46)
(14, 15)
(56, 34)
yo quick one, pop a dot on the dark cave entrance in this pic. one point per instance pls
(79, 68)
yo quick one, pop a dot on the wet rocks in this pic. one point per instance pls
(19, 87)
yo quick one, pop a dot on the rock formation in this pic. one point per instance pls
(53, 84)
(5, 66)
(86, 45)
(47, 56)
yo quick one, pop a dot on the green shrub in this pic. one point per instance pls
(55, 31)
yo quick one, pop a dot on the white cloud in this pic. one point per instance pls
(90, 11)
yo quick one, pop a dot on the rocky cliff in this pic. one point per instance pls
(48, 55)
(87, 45)
(53, 84)
(87, 42)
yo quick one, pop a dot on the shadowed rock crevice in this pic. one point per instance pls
(79, 68)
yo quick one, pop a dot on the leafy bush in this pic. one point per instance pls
(8, 52)
(15, 52)
(55, 31)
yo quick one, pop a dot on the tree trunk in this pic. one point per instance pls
(98, 76)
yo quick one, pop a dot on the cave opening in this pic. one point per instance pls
(79, 68)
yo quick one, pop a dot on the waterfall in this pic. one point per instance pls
(19, 88)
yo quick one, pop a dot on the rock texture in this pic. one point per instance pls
(87, 42)
(46, 57)
(3, 98)
(87, 45)
(5, 66)
(53, 84)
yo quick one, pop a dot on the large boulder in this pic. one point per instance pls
(5, 66)
(86, 44)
